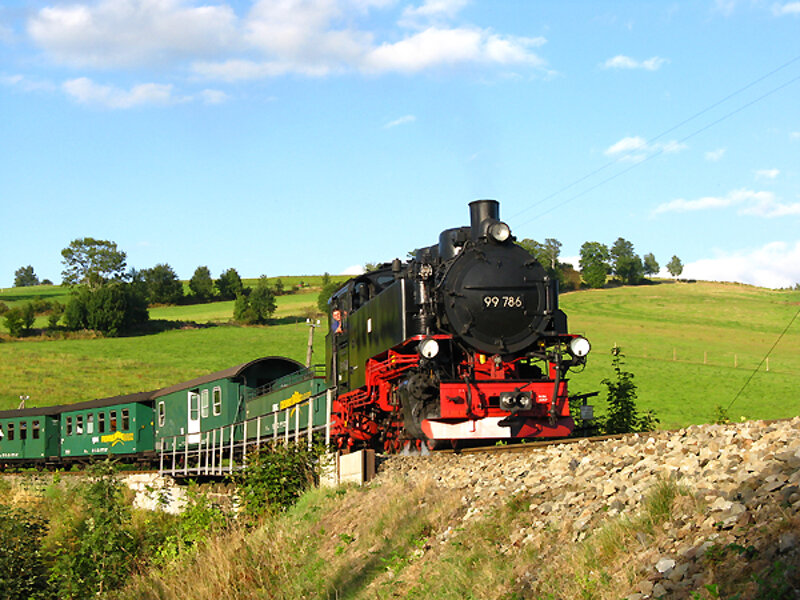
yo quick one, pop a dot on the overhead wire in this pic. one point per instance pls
(766, 356)
(660, 151)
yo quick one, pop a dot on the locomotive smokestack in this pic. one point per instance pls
(482, 213)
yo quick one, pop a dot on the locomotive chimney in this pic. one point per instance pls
(482, 213)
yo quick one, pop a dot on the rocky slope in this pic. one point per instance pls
(729, 523)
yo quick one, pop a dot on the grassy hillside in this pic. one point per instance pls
(692, 347)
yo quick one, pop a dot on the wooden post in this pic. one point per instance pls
(768, 364)
(296, 424)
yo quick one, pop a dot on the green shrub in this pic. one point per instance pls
(623, 416)
(97, 551)
(23, 573)
(275, 478)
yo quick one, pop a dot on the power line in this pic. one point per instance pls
(658, 152)
(766, 356)
(660, 135)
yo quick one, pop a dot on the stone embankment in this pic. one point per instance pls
(740, 484)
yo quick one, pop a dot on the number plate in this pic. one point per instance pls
(503, 302)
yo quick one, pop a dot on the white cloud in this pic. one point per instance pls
(116, 33)
(86, 91)
(789, 8)
(353, 270)
(767, 173)
(400, 121)
(775, 265)
(435, 47)
(27, 84)
(214, 96)
(636, 149)
(749, 202)
(276, 37)
(794, 135)
(715, 155)
(431, 10)
(626, 62)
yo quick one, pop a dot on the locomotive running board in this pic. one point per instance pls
(490, 428)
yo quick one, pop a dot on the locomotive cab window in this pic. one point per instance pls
(126, 419)
(217, 399)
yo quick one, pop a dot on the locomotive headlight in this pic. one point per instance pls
(580, 347)
(499, 231)
(428, 348)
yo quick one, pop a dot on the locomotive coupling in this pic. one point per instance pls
(516, 401)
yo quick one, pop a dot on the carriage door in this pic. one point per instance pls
(193, 412)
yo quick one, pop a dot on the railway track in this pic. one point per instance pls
(527, 446)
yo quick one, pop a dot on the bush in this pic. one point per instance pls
(113, 309)
(275, 478)
(23, 573)
(256, 307)
(623, 416)
(98, 552)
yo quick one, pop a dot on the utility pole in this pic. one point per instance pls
(311, 326)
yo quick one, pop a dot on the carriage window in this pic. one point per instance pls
(10, 432)
(23, 430)
(217, 400)
(36, 428)
(79, 424)
(162, 414)
(204, 404)
(194, 406)
(90, 424)
(101, 422)
(112, 420)
(69, 425)
(1, 432)
(126, 419)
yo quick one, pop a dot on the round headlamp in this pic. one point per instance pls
(499, 231)
(428, 348)
(579, 347)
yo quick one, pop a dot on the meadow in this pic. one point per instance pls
(693, 348)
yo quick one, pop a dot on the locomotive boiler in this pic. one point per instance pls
(464, 341)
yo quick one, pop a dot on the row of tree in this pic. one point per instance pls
(106, 297)
(597, 262)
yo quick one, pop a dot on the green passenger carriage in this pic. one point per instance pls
(29, 435)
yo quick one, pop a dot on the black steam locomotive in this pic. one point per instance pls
(464, 341)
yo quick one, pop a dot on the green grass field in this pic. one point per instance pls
(691, 347)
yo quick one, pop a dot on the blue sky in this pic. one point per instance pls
(292, 137)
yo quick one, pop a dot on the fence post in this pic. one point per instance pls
(286, 429)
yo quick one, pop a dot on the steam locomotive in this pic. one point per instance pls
(465, 341)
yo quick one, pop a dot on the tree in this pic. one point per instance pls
(113, 308)
(625, 263)
(328, 288)
(594, 264)
(163, 285)
(675, 266)
(92, 262)
(256, 307)
(229, 284)
(201, 284)
(651, 266)
(623, 415)
(24, 277)
(14, 321)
